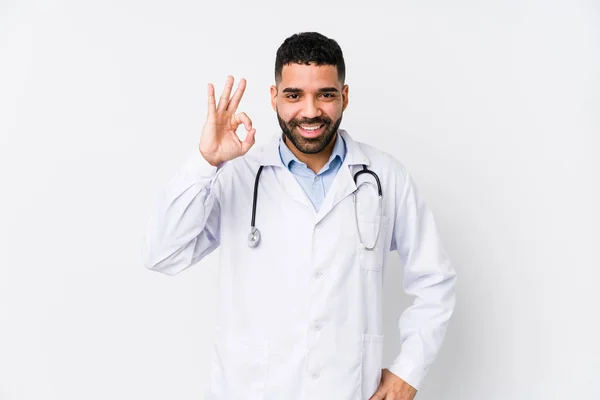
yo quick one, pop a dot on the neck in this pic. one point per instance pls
(313, 161)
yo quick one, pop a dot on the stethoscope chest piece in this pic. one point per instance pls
(254, 238)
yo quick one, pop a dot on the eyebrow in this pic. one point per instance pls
(298, 90)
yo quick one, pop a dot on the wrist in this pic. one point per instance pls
(211, 160)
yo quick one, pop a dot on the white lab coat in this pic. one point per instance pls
(300, 316)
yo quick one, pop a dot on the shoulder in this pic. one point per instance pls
(392, 173)
(382, 160)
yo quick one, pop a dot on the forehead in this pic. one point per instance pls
(309, 77)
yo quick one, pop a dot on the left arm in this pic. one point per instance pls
(429, 277)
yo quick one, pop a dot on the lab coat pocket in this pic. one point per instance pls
(239, 368)
(371, 362)
(371, 260)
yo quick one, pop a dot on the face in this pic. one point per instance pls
(309, 101)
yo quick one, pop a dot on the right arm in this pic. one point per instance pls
(185, 224)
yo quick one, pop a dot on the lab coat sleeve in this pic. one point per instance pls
(430, 278)
(184, 225)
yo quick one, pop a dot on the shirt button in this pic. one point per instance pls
(317, 326)
(317, 178)
(315, 375)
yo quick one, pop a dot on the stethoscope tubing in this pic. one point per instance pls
(254, 236)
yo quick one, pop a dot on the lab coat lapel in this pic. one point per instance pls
(270, 157)
(343, 184)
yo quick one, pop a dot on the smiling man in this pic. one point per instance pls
(311, 113)
(300, 289)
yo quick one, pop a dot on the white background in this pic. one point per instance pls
(494, 107)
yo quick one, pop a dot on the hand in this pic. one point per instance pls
(393, 387)
(219, 141)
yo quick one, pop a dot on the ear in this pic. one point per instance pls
(274, 97)
(345, 97)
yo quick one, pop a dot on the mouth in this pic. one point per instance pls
(311, 131)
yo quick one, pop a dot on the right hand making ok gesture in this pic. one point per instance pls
(219, 141)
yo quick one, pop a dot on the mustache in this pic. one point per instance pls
(312, 121)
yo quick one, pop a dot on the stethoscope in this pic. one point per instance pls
(254, 236)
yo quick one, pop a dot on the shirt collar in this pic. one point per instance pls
(339, 151)
(268, 154)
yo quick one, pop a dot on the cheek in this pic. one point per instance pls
(286, 112)
(333, 111)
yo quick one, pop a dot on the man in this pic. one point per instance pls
(300, 298)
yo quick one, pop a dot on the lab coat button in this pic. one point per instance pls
(315, 375)
(317, 274)
(317, 326)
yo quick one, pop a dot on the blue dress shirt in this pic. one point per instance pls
(314, 185)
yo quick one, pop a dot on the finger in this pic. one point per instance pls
(212, 108)
(378, 395)
(224, 100)
(242, 118)
(249, 141)
(237, 96)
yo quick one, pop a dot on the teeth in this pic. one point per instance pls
(313, 128)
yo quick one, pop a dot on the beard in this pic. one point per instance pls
(310, 145)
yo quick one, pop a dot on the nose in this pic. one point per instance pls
(311, 109)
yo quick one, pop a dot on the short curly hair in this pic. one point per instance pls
(310, 47)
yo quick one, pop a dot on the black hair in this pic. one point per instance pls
(310, 47)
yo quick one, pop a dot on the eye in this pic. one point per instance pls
(292, 96)
(328, 95)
